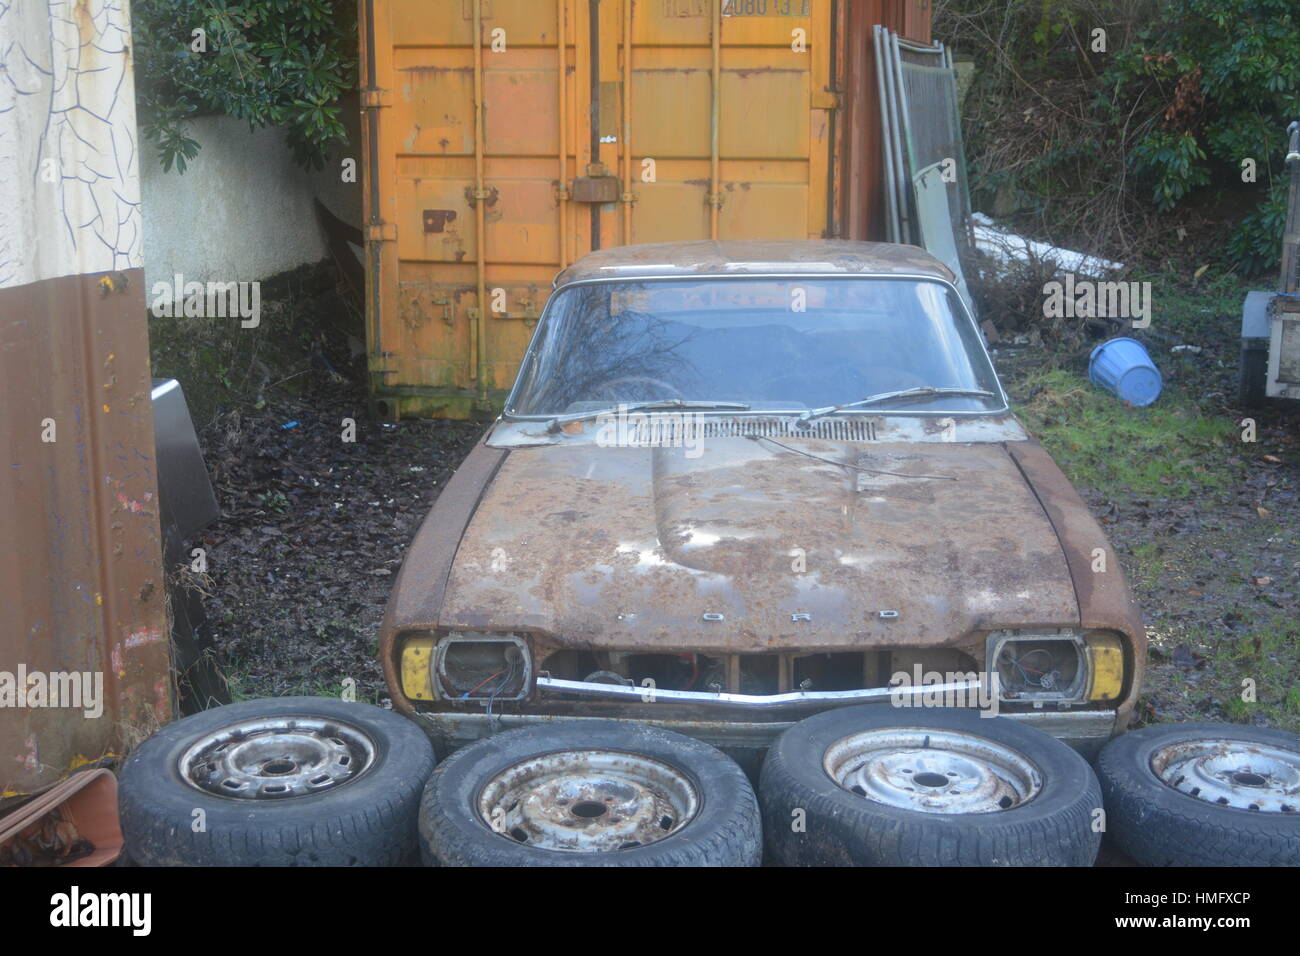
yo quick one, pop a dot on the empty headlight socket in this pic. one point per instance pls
(479, 666)
(1049, 666)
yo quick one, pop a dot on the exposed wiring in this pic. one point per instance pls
(1025, 670)
(505, 682)
(465, 696)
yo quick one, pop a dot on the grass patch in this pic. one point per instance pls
(1204, 312)
(1171, 448)
(1254, 670)
(248, 682)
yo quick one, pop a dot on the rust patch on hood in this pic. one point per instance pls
(632, 547)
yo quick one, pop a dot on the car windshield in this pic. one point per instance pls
(770, 343)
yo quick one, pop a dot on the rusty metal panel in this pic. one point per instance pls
(81, 573)
(573, 93)
(861, 197)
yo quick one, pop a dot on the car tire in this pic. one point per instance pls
(538, 795)
(1037, 810)
(302, 802)
(1159, 823)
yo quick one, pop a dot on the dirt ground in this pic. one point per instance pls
(314, 529)
(312, 533)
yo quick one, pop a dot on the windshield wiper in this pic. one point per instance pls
(559, 421)
(905, 394)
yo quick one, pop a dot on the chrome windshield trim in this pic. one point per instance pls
(751, 276)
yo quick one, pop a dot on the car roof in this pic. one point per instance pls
(755, 257)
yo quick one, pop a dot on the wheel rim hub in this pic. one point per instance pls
(271, 758)
(1232, 773)
(588, 801)
(932, 771)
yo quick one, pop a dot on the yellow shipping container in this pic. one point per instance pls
(601, 122)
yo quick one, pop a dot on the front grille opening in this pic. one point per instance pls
(678, 671)
(666, 671)
(927, 664)
(765, 674)
(831, 672)
(571, 665)
(760, 674)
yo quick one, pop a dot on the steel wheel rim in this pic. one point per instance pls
(932, 771)
(274, 758)
(1240, 774)
(588, 801)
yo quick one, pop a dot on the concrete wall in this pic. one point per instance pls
(242, 210)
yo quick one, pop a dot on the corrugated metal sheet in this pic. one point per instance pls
(81, 585)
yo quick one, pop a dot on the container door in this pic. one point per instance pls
(470, 213)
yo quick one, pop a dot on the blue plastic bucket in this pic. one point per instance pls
(1123, 366)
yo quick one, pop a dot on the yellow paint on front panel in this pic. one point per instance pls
(1106, 653)
(772, 147)
(417, 680)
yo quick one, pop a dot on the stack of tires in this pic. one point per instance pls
(319, 782)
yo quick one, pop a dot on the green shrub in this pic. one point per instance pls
(1222, 78)
(1256, 242)
(277, 63)
(1104, 148)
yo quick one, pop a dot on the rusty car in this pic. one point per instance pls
(738, 484)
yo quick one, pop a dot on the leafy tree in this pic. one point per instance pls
(1224, 79)
(1105, 143)
(277, 63)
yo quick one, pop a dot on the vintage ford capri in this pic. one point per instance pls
(767, 497)
(740, 482)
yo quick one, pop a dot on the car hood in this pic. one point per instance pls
(758, 544)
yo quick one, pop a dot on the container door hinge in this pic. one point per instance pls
(380, 231)
(373, 98)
